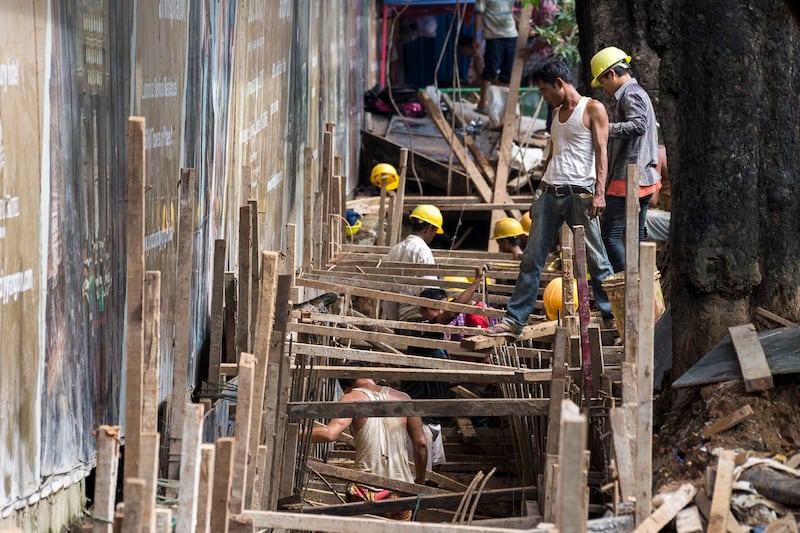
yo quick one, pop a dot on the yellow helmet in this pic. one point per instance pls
(604, 60)
(525, 222)
(430, 214)
(385, 171)
(553, 297)
(507, 227)
(351, 230)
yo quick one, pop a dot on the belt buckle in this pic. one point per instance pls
(559, 190)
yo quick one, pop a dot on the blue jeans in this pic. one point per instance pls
(614, 228)
(553, 211)
(499, 57)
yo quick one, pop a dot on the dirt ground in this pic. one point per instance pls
(680, 453)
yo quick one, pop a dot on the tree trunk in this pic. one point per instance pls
(729, 76)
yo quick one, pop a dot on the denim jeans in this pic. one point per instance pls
(614, 228)
(553, 211)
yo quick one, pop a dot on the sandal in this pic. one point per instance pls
(501, 329)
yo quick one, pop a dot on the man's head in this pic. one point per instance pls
(433, 293)
(610, 68)
(507, 232)
(552, 79)
(426, 222)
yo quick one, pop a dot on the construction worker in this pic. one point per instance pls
(525, 222)
(507, 232)
(632, 139)
(426, 223)
(573, 192)
(380, 443)
(494, 22)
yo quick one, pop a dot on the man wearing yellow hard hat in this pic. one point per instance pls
(426, 223)
(507, 232)
(632, 139)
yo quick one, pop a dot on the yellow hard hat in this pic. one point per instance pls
(351, 230)
(604, 60)
(553, 297)
(430, 214)
(385, 171)
(507, 227)
(525, 222)
(457, 279)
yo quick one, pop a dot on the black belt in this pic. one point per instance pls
(564, 190)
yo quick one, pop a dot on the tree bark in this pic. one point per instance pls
(728, 81)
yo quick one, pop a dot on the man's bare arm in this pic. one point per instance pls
(415, 431)
(599, 126)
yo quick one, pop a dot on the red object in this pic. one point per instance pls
(476, 321)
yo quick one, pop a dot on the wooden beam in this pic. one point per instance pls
(151, 350)
(688, 520)
(135, 491)
(532, 332)
(286, 487)
(371, 479)
(188, 497)
(396, 209)
(309, 186)
(723, 485)
(217, 316)
(424, 374)
(459, 407)
(630, 333)
(752, 359)
(163, 519)
(571, 488)
(727, 421)
(149, 447)
(229, 324)
(254, 272)
(223, 468)
(105, 478)
(459, 150)
(668, 510)
(437, 253)
(134, 368)
(557, 391)
(244, 415)
(205, 487)
(621, 433)
(245, 281)
(760, 311)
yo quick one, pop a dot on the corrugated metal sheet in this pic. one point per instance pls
(236, 90)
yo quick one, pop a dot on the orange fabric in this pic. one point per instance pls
(361, 493)
(618, 188)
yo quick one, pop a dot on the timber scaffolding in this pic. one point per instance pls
(230, 455)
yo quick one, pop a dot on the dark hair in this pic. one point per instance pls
(513, 240)
(433, 293)
(619, 69)
(550, 71)
(346, 383)
(417, 225)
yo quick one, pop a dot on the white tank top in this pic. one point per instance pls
(572, 160)
(381, 444)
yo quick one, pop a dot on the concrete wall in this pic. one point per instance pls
(236, 90)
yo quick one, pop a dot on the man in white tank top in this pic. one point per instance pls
(573, 192)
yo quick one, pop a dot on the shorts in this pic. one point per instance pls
(499, 57)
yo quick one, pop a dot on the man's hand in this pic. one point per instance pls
(598, 205)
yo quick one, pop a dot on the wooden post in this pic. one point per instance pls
(289, 266)
(261, 347)
(244, 410)
(105, 478)
(204, 488)
(275, 397)
(752, 360)
(217, 318)
(557, 390)
(190, 466)
(510, 122)
(245, 265)
(567, 277)
(254, 273)
(572, 443)
(151, 350)
(319, 232)
(163, 520)
(621, 435)
(229, 325)
(631, 277)
(258, 478)
(327, 174)
(149, 444)
(134, 368)
(223, 468)
(240, 524)
(396, 227)
(309, 187)
(723, 485)
(289, 458)
(644, 371)
(584, 313)
(135, 493)
(380, 228)
(596, 348)
(336, 219)
(668, 510)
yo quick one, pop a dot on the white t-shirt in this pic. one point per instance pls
(412, 249)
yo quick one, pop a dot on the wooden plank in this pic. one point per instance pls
(425, 374)
(727, 421)
(261, 347)
(326, 173)
(163, 520)
(631, 322)
(437, 253)
(217, 317)
(532, 332)
(621, 434)
(223, 469)
(255, 258)
(688, 520)
(596, 349)
(275, 406)
(510, 122)
(752, 359)
(319, 230)
(458, 407)
(775, 318)
(134, 368)
(381, 227)
(644, 378)
(151, 352)
(309, 186)
(244, 411)
(571, 488)
(721, 501)
(258, 478)
(286, 487)
(557, 391)
(244, 280)
(205, 487)
(668, 510)
(371, 479)
(583, 313)
(459, 150)
(240, 524)
(149, 448)
(229, 325)
(105, 486)
(135, 491)
(188, 497)
(183, 288)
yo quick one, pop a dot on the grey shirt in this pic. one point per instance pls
(498, 18)
(632, 135)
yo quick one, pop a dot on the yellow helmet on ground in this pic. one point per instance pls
(604, 60)
(507, 227)
(525, 222)
(385, 171)
(553, 297)
(430, 214)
